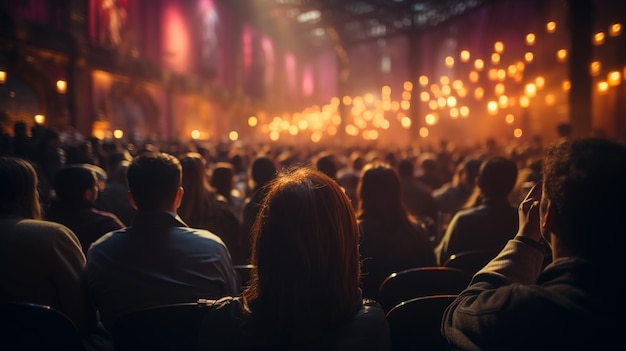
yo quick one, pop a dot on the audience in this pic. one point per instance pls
(575, 303)
(417, 197)
(40, 262)
(203, 208)
(493, 221)
(262, 172)
(158, 260)
(76, 189)
(304, 293)
(392, 240)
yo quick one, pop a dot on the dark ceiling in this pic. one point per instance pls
(308, 25)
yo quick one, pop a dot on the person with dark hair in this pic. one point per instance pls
(201, 207)
(223, 181)
(576, 301)
(40, 262)
(76, 191)
(327, 164)
(262, 172)
(493, 221)
(392, 240)
(417, 197)
(159, 259)
(304, 292)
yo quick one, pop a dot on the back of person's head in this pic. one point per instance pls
(497, 177)
(71, 183)
(194, 173)
(222, 178)
(327, 164)
(153, 180)
(467, 171)
(263, 170)
(564, 130)
(406, 168)
(585, 182)
(305, 249)
(379, 191)
(18, 188)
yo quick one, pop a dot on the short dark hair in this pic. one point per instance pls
(154, 179)
(71, 182)
(497, 176)
(18, 188)
(585, 181)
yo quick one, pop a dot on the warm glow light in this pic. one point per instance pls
(406, 95)
(406, 122)
(524, 101)
(503, 101)
(498, 47)
(449, 61)
(430, 119)
(596, 66)
(530, 39)
(451, 101)
(423, 132)
(233, 136)
(495, 58)
(550, 99)
(433, 105)
(424, 96)
(454, 113)
(517, 133)
(408, 86)
(509, 118)
(118, 134)
(493, 74)
(385, 90)
(501, 74)
(566, 85)
(253, 121)
(445, 90)
(511, 70)
(479, 93)
(462, 92)
(347, 100)
(551, 27)
(529, 57)
(39, 119)
(615, 29)
(316, 137)
(352, 130)
(441, 102)
(464, 110)
(598, 38)
(492, 107)
(274, 135)
(61, 86)
(561, 55)
(614, 78)
(3, 77)
(499, 89)
(540, 82)
(423, 81)
(479, 64)
(473, 76)
(457, 84)
(195, 134)
(444, 80)
(405, 105)
(603, 87)
(530, 90)
(465, 55)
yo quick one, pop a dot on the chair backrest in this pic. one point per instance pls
(243, 273)
(471, 261)
(27, 326)
(165, 327)
(421, 281)
(416, 324)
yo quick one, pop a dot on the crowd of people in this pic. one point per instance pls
(98, 229)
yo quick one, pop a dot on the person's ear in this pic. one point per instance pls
(179, 196)
(549, 224)
(131, 199)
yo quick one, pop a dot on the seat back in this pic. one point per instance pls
(416, 324)
(422, 281)
(27, 326)
(244, 271)
(166, 327)
(470, 261)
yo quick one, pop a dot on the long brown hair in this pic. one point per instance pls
(305, 249)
